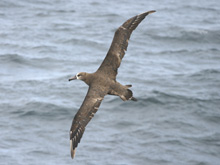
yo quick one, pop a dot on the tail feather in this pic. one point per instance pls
(133, 99)
(128, 86)
(129, 95)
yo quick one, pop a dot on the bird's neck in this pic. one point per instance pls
(88, 78)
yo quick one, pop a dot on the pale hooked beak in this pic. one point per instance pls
(73, 78)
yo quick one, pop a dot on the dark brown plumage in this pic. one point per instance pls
(103, 81)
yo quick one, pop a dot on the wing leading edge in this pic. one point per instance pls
(119, 44)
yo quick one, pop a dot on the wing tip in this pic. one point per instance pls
(148, 12)
(72, 151)
(152, 11)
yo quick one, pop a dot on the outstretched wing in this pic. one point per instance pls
(87, 110)
(119, 45)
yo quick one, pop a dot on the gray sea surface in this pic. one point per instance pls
(172, 61)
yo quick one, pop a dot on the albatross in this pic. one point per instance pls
(103, 81)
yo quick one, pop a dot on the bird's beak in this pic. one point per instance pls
(73, 78)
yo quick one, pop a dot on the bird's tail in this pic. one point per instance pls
(129, 95)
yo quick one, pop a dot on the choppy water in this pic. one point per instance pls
(173, 63)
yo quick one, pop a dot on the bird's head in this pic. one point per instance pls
(79, 76)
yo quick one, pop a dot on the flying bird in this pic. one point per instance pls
(103, 81)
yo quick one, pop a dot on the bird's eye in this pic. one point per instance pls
(78, 75)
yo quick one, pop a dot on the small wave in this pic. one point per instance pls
(63, 27)
(171, 97)
(44, 47)
(156, 52)
(19, 60)
(53, 12)
(10, 4)
(215, 118)
(108, 15)
(153, 100)
(167, 95)
(141, 102)
(95, 3)
(64, 11)
(74, 41)
(191, 35)
(158, 98)
(42, 14)
(172, 142)
(12, 58)
(200, 35)
(175, 51)
(207, 75)
(44, 111)
(207, 138)
(200, 51)
(200, 8)
(205, 72)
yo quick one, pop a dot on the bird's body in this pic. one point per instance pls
(103, 81)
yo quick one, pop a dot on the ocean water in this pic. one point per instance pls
(173, 63)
